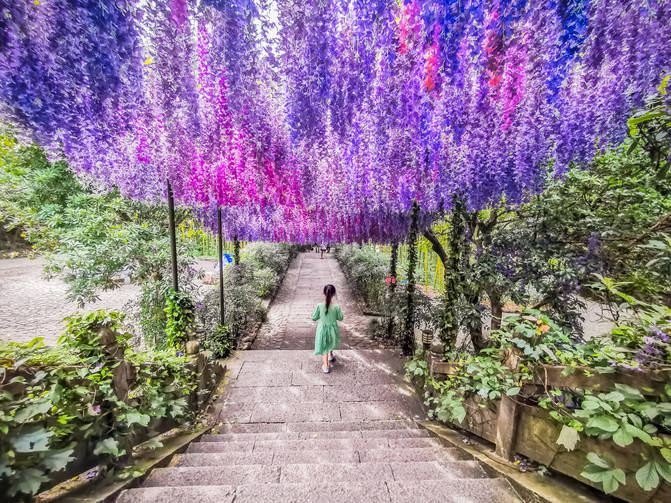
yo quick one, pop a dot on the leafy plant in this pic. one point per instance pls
(55, 399)
(179, 309)
(221, 343)
(603, 471)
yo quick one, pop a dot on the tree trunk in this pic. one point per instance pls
(497, 310)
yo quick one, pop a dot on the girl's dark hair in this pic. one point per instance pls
(329, 291)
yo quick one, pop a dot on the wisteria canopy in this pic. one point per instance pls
(325, 120)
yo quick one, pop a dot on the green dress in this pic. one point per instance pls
(328, 333)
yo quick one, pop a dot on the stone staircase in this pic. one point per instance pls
(287, 432)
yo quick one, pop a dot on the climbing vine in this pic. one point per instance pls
(180, 311)
(408, 337)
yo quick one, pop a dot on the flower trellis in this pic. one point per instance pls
(323, 120)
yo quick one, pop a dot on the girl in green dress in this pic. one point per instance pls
(328, 333)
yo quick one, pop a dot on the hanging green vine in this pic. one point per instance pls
(236, 250)
(180, 311)
(449, 324)
(407, 340)
(392, 287)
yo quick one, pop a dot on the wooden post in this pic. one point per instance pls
(506, 426)
(173, 240)
(222, 311)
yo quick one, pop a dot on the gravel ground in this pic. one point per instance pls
(32, 306)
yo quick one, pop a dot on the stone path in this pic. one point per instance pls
(289, 325)
(288, 432)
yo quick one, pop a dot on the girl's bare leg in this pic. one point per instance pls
(325, 359)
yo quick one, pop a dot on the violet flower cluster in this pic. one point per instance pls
(308, 121)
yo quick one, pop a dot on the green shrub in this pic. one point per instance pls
(56, 399)
(266, 281)
(220, 342)
(366, 271)
(275, 256)
(180, 311)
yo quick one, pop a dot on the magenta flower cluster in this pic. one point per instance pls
(309, 121)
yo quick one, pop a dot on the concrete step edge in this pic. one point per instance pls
(486, 489)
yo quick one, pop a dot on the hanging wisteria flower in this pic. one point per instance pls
(310, 121)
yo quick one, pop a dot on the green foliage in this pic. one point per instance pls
(603, 470)
(274, 256)
(83, 333)
(366, 271)
(220, 342)
(266, 281)
(268, 262)
(484, 376)
(54, 399)
(180, 313)
(258, 275)
(91, 239)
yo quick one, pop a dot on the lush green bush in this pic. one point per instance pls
(266, 281)
(366, 271)
(274, 256)
(179, 310)
(91, 239)
(221, 342)
(58, 403)
(258, 275)
(640, 341)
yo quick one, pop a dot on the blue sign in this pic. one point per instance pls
(228, 258)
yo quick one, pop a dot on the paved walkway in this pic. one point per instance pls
(287, 432)
(289, 325)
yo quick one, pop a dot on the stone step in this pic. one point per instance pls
(453, 491)
(429, 491)
(324, 444)
(394, 424)
(317, 456)
(303, 435)
(264, 412)
(212, 475)
(306, 473)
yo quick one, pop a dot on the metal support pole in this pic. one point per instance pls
(173, 238)
(221, 268)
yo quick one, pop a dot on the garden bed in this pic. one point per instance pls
(89, 401)
(529, 430)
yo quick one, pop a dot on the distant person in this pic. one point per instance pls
(327, 337)
(323, 248)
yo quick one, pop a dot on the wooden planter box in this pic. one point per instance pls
(530, 431)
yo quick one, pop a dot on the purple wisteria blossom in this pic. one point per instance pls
(308, 121)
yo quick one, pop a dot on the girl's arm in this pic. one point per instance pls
(339, 315)
(315, 313)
